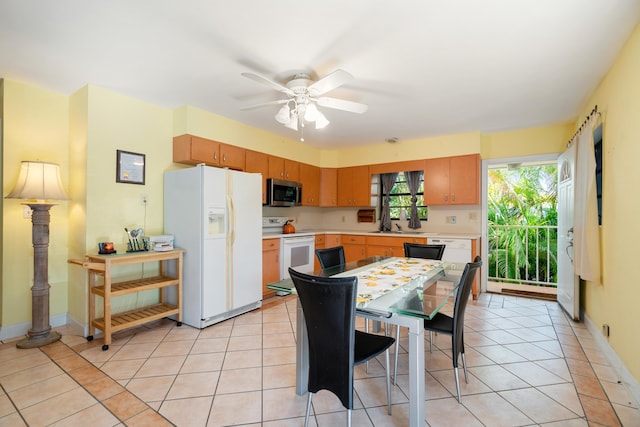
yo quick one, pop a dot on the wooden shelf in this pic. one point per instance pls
(102, 265)
(137, 317)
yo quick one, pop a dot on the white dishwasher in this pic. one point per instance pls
(457, 251)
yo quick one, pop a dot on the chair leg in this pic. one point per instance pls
(395, 368)
(464, 366)
(430, 341)
(386, 357)
(455, 373)
(306, 420)
(348, 417)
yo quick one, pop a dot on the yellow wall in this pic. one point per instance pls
(34, 128)
(615, 302)
(82, 133)
(526, 142)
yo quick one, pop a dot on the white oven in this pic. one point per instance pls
(296, 252)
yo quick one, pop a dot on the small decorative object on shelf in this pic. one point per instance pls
(136, 244)
(105, 248)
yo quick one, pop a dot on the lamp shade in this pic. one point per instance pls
(38, 181)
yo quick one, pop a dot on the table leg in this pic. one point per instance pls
(416, 373)
(302, 352)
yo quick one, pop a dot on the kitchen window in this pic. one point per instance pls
(400, 199)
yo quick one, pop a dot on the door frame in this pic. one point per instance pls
(486, 163)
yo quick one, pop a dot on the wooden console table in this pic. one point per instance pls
(101, 265)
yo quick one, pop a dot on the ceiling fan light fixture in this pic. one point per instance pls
(293, 122)
(321, 121)
(283, 115)
(311, 113)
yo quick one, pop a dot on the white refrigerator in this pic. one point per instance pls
(215, 215)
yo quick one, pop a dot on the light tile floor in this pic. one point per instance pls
(528, 365)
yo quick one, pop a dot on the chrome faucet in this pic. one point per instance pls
(399, 228)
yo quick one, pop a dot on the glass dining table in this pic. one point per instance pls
(398, 291)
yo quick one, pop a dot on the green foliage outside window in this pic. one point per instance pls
(527, 199)
(400, 199)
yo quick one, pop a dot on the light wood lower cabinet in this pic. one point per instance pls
(318, 244)
(389, 246)
(102, 265)
(270, 265)
(354, 246)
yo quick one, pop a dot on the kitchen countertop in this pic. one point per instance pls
(426, 234)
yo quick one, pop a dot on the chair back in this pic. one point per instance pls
(416, 250)
(460, 304)
(331, 257)
(329, 307)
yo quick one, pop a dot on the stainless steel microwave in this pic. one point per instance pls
(283, 193)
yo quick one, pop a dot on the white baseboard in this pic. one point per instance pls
(628, 380)
(18, 330)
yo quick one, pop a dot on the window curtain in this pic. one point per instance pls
(413, 182)
(387, 180)
(586, 233)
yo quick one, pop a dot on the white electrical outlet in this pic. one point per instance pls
(144, 199)
(452, 219)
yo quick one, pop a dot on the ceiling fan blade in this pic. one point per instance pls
(342, 104)
(274, 85)
(329, 82)
(265, 104)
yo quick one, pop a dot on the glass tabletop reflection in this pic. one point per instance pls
(386, 285)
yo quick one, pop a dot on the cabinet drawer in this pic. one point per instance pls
(320, 239)
(270, 244)
(353, 239)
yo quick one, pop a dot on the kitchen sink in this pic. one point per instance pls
(388, 232)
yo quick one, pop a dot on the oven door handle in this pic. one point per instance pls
(287, 240)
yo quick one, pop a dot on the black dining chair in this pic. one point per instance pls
(331, 257)
(454, 326)
(416, 250)
(335, 346)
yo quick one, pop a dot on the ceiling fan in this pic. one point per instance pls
(302, 96)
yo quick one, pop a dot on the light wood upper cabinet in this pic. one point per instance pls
(452, 180)
(310, 179)
(232, 157)
(276, 167)
(256, 162)
(291, 170)
(354, 186)
(285, 169)
(193, 150)
(328, 187)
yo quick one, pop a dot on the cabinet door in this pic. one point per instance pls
(276, 167)
(354, 246)
(310, 179)
(328, 187)
(464, 174)
(361, 186)
(191, 150)
(258, 163)
(270, 265)
(375, 250)
(436, 181)
(291, 170)
(345, 193)
(232, 157)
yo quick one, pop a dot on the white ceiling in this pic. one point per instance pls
(424, 67)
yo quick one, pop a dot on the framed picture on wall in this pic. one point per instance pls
(130, 167)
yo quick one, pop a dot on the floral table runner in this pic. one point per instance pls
(382, 279)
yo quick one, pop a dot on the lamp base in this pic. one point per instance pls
(29, 342)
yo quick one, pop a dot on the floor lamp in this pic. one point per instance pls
(40, 184)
